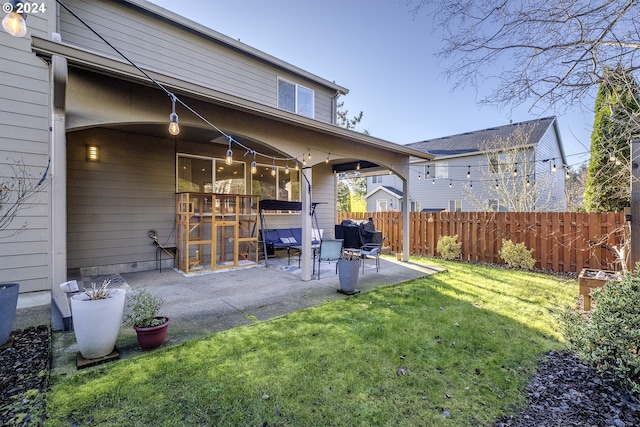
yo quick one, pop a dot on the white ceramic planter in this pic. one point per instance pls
(97, 323)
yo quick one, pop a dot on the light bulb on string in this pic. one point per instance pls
(471, 184)
(286, 168)
(327, 159)
(174, 128)
(15, 23)
(469, 172)
(554, 168)
(528, 182)
(433, 181)
(515, 169)
(450, 183)
(273, 169)
(254, 165)
(297, 167)
(229, 159)
(496, 183)
(358, 166)
(428, 173)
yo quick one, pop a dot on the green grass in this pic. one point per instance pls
(465, 341)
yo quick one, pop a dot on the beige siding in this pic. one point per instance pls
(161, 46)
(323, 192)
(113, 203)
(24, 126)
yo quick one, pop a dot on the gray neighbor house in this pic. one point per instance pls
(88, 120)
(519, 166)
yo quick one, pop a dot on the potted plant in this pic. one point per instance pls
(348, 270)
(97, 316)
(8, 304)
(150, 328)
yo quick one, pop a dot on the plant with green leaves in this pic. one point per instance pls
(449, 248)
(609, 339)
(516, 255)
(145, 307)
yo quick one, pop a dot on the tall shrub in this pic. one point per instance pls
(617, 103)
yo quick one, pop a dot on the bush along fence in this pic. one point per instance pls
(561, 241)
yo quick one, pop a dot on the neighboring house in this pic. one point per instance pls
(520, 166)
(384, 198)
(69, 100)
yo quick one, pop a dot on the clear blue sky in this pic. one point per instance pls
(382, 54)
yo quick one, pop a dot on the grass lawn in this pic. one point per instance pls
(453, 349)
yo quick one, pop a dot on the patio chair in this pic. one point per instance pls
(371, 250)
(330, 250)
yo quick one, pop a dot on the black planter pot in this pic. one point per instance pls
(8, 304)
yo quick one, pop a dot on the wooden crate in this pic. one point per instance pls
(588, 281)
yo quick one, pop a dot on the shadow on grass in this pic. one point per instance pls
(411, 354)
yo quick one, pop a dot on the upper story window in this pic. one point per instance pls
(295, 98)
(376, 179)
(442, 169)
(498, 163)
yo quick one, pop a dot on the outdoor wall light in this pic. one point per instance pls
(15, 23)
(174, 129)
(92, 153)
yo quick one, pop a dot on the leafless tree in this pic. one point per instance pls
(549, 52)
(512, 178)
(18, 191)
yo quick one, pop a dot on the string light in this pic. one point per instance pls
(309, 154)
(433, 181)
(428, 173)
(14, 23)
(528, 182)
(554, 168)
(496, 183)
(471, 184)
(469, 172)
(229, 159)
(515, 169)
(286, 169)
(273, 169)
(297, 167)
(327, 159)
(450, 183)
(358, 166)
(174, 129)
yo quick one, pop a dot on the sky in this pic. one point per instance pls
(384, 54)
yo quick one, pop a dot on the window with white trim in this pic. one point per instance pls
(455, 205)
(381, 205)
(295, 98)
(441, 170)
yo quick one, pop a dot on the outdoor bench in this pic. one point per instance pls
(286, 238)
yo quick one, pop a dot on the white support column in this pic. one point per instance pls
(60, 311)
(634, 255)
(405, 219)
(305, 197)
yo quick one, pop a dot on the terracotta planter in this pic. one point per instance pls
(8, 303)
(152, 337)
(96, 323)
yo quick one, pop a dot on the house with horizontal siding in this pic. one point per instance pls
(92, 117)
(515, 167)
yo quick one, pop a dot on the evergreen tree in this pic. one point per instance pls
(616, 113)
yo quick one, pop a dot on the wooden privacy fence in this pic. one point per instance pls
(562, 241)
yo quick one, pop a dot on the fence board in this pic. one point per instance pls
(563, 242)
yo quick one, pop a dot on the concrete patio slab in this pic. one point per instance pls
(207, 303)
